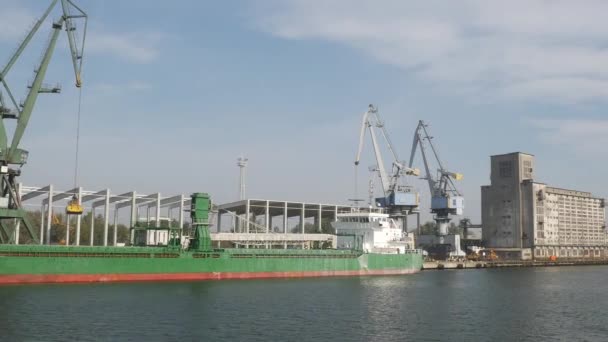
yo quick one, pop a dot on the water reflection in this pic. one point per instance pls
(564, 303)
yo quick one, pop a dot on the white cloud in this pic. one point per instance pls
(121, 87)
(584, 136)
(520, 48)
(138, 47)
(134, 46)
(14, 23)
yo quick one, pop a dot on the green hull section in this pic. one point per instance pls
(72, 260)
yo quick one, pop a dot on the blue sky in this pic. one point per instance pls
(175, 91)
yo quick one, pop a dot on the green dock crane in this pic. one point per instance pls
(12, 157)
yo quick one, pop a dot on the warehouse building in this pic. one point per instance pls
(527, 219)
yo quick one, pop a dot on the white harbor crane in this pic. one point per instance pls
(446, 200)
(398, 197)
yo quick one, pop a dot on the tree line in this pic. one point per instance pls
(59, 228)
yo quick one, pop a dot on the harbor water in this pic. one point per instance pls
(524, 304)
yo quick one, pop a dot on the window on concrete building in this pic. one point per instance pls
(527, 169)
(505, 169)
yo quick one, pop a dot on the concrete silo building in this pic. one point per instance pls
(525, 219)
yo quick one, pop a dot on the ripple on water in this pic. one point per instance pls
(562, 304)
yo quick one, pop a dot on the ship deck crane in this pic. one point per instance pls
(398, 198)
(446, 200)
(12, 157)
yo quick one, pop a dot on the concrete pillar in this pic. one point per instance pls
(236, 222)
(133, 220)
(247, 213)
(42, 224)
(78, 218)
(418, 222)
(336, 214)
(157, 232)
(49, 216)
(115, 237)
(18, 223)
(92, 230)
(285, 218)
(181, 218)
(105, 218)
(319, 217)
(17, 231)
(148, 232)
(219, 221)
(267, 216)
(67, 230)
(302, 218)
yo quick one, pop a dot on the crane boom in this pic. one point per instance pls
(399, 199)
(427, 169)
(381, 170)
(446, 200)
(30, 100)
(26, 40)
(10, 204)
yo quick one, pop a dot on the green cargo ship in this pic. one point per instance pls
(21, 264)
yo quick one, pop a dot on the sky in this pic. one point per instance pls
(175, 91)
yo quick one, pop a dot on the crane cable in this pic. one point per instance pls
(356, 198)
(77, 137)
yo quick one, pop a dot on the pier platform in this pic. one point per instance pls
(442, 265)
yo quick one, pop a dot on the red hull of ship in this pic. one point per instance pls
(156, 277)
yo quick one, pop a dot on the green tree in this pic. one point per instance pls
(455, 229)
(429, 228)
(312, 228)
(59, 226)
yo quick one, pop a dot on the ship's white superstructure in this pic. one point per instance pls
(371, 231)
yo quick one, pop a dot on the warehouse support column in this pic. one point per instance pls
(181, 218)
(156, 232)
(18, 223)
(267, 216)
(285, 222)
(67, 230)
(49, 217)
(285, 217)
(92, 230)
(219, 221)
(78, 218)
(133, 220)
(115, 237)
(247, 213)
(268, 220)
(42, 224)
(302, 219)
(105, 218)
(319, 217)
(148, 232)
